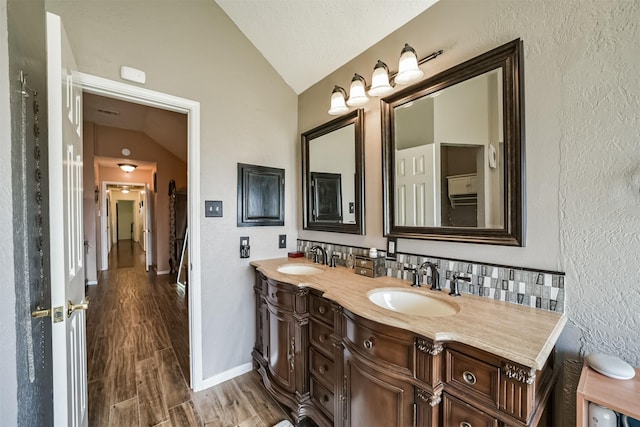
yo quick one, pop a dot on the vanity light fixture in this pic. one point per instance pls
(380, 80)
(357, 94)
(127, 167)
(408, 70)
(338, 97)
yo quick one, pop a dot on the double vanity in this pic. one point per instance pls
(341, 349)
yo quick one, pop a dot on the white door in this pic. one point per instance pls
(65, 210)
(147, 227)
(417, 189)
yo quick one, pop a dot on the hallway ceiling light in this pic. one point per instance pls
(382, 81)
(127, 167)
(125, 191)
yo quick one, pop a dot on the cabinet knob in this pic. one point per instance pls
(368, 344)
(274, 294)
(465, 424)
(322, 369)
(325, 398)
(322, 310)
(322, 338)
(468, 378)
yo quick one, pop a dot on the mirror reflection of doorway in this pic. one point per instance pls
(460, 170)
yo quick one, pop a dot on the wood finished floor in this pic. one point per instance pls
(138, 357)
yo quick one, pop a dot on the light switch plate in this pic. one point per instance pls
(213, 208)
(282, 241)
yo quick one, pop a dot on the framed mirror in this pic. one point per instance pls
(453, 153)
(333, 175)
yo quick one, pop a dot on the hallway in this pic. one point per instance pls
(138, 356)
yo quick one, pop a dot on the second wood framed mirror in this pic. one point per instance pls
(333, 175)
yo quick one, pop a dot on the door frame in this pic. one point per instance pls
(104, 235)
(126, 92)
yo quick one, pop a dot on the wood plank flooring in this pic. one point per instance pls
(138, 357)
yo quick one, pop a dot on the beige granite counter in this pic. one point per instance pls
(521, 334)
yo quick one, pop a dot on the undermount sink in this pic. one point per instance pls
(299, 269)
(407, 302)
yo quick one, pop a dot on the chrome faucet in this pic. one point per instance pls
(455, 288)
(314, 251)
(435, 276)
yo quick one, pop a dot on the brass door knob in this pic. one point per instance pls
(71, 307)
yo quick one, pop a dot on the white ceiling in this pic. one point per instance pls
(167, 128)
(305, 40)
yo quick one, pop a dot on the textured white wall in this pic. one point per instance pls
(581, 62)
(248, 114)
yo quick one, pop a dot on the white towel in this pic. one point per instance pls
(284, 423)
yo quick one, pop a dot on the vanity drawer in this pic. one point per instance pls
(473, 376)
(458, 413)
(322, 368)
(322, 397)
(321, 309)
(379, 346)
(281, 295)
(320, 337)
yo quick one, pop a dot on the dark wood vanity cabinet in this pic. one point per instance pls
(282, 341)
(331, 367)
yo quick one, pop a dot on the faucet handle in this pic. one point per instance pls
(455, 286)
(332, 260)
(416, 276)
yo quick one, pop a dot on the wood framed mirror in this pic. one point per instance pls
(453, 153)
(333, 175)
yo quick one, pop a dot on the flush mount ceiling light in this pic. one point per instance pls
(408, 70)
(338, 105)
(125, 190)
(127, 167)
(382, 81)
(357, 95)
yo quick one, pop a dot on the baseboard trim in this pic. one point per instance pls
(92, 282)
(225, 376)
(162, 272)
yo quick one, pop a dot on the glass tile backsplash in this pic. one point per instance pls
(518, 285)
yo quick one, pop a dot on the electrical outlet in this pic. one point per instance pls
(282, 241)
(352, 207)
(244, 247)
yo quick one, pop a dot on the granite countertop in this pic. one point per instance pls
(524, 335)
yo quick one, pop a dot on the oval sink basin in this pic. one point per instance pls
(299, 269)
(407, 302)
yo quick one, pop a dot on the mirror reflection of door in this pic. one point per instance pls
(334, 155)
(327, 196)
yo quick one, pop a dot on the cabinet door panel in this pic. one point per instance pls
(374, 399)
(281, 349)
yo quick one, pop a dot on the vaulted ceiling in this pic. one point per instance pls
(305, 40)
